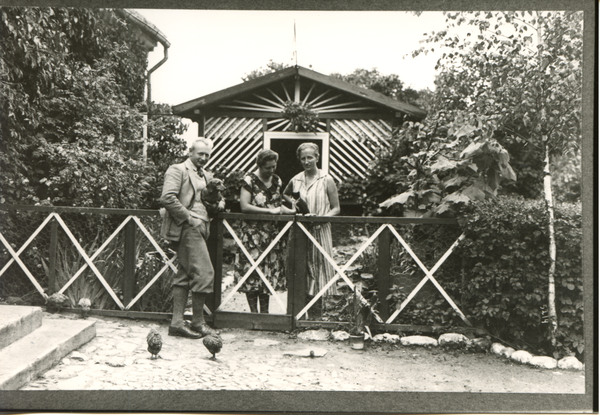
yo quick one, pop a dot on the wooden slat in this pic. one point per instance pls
(243, 155)
(215, 249)
(128, 283)
(319, 104)
(357, 147)
(410, 328)
(270, 101)
(359, 124)
(336, 174)
(255, 105)
(144, 315)
(98, 251)
(319, 97)
(286, 92)
(52, 284)
(371, 125)
(276, 96)
(351, 156)
(354, 132)
(235, 152)
(93, 210)
(299, 279)
(383, 272)
(252, 321)
(27, 242)
(308, 94)
(346, 110)
(333, 163)
(275, 127)
(384, 128)
(224, 127)
(339, 105)
(241, 130)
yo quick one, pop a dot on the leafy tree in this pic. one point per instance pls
(451, 161)
(389, 85)
(270, 68)
(521, 70)
(69, 78)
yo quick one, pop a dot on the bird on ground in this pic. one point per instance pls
(213, 343)
(85, 305)
(212, 197)
(154, 343)
(57, 301)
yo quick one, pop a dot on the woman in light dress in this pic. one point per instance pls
(319, 192)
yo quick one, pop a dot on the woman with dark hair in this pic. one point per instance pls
(261, 193)
(318, 190)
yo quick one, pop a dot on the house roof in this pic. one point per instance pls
(151, 34)
(383, 103)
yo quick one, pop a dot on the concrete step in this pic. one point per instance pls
(37, 352)
(17, 321)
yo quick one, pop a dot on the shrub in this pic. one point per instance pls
(506, 264)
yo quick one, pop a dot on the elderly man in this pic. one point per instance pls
(186, 222)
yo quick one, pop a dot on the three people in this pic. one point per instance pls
(187, 224)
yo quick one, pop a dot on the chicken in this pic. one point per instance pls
(85, 305)
(57, 301)
(212, 197)
(154, 343)
(213, 343)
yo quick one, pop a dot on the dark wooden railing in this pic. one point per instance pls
(296, 272)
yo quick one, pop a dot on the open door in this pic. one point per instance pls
(285, 144)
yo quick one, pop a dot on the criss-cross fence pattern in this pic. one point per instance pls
(110, 256)
(116, 258)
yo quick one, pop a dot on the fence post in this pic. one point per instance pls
(215, 251)
(299, 271)
(289, 272)
(129, 263)
(383, 267)
(52, 260)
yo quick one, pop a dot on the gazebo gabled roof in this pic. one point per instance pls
(236, 99)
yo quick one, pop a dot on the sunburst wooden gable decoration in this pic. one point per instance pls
(298, 100)
(327, 96)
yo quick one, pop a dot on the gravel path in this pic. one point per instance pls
(253, 360)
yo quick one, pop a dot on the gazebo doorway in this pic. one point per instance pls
(285, 144)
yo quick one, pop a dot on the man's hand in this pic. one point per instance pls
(194, 222)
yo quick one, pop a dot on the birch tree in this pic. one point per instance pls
(521, 70)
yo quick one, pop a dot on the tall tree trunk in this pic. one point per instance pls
(551, 284)
(550, 208)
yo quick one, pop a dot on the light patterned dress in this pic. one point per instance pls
(320, 271)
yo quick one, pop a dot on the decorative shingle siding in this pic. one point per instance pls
(352, 143)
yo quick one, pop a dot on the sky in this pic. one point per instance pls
(213, 49)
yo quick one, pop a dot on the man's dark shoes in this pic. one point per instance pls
(204, 329)
(183, 332)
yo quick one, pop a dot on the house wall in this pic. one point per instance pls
(352, 143)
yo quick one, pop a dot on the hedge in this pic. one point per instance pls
(506, 259)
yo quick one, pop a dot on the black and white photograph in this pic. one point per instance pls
(298, 209)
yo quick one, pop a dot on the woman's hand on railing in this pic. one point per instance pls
(287, 211)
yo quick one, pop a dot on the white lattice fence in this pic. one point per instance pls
(83, 257)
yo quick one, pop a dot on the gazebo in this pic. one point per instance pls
(246, 118)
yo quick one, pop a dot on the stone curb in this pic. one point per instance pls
(457, 340)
